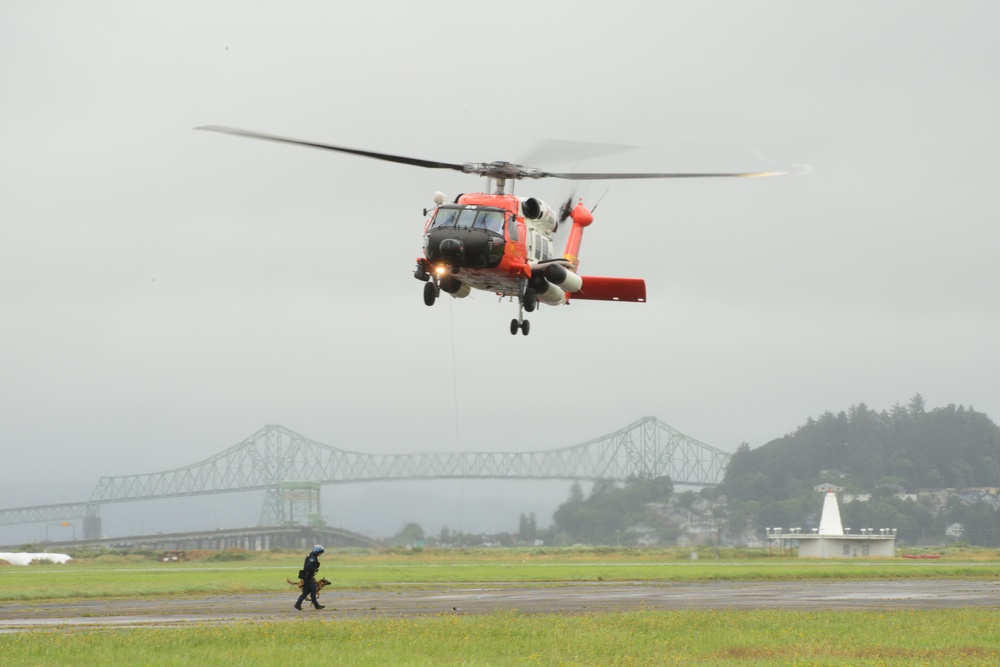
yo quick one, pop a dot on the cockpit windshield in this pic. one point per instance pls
(469, 217)
(491, 221)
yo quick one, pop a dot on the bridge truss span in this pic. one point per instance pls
(644, 449)
(276, 456)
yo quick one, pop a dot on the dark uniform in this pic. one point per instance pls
(309, 570)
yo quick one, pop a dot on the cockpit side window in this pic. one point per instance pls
(445, 217)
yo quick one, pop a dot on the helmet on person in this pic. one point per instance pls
(318, 549)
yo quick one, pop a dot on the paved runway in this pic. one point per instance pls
(529, 598)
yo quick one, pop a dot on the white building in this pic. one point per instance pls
(831, 541)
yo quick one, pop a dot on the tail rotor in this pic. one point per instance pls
(566, 209)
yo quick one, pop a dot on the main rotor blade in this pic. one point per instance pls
(559, 151)
(430, 164)
(602, 176)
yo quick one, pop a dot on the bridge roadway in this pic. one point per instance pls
(251, 539)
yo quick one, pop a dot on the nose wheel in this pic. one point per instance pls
(430, 292)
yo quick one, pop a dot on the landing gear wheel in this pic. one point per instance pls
(525, 327)
(530, 298)
(430, 293)
(514, 326)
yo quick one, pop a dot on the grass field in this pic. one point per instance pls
(724, 638)
(135, 576)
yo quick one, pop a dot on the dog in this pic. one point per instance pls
(320, 584)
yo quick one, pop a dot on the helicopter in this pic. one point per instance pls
(501, 243)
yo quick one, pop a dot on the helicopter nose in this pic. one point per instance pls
(464, 248)
(452, 248)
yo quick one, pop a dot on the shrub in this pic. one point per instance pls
(229, 555)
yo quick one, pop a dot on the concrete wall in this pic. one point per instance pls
(847, 547)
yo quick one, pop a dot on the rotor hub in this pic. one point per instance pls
(500, 170)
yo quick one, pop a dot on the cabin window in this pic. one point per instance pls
(540, 246)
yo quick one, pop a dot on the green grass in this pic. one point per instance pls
(120, 577)
(712, 638)
(125, 577)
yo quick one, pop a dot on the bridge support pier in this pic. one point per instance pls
(91, 527)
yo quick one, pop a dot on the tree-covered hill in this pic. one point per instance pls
(949, 447)
(891, 455)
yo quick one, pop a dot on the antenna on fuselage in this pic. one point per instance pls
(599, 200)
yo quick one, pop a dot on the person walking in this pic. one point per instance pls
(308, 576)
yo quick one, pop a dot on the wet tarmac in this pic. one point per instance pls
(528, 598)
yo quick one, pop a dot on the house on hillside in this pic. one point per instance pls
(645, 536)
(697, 523)
(936, 500)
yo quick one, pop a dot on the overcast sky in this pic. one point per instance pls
(164, 292)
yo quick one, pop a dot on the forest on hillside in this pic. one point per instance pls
(893, 455)
(931, 474)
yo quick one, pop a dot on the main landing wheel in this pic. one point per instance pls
(523, 325)
(430, 293)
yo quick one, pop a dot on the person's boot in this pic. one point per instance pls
(298, 605)
(319, 606)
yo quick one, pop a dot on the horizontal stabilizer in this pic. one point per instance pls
(596, 288)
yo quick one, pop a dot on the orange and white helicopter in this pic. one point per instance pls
(502, 243)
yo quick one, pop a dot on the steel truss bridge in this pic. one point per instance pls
(290, 468)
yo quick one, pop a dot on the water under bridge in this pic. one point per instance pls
(291, 468)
